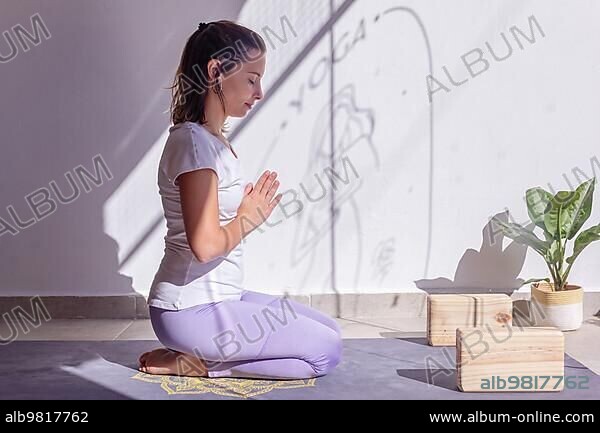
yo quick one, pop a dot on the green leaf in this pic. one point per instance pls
(535, 280)
(548, 236)
(561, 209)
(523, 236)
(537, 201)
(553, 252)
(582, 207)
(585, 238)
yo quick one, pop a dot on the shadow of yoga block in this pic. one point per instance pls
(446, 313)
(510, 359)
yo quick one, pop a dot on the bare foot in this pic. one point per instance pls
(168, 362)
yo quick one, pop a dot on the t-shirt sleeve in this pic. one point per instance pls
(188, 152)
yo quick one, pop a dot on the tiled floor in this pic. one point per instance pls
(581, 344)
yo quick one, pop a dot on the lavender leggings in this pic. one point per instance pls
(259, 336)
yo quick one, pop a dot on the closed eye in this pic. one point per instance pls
(251, 82)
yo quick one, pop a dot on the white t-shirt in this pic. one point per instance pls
(181, 280)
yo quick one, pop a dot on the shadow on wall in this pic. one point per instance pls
(489, 270)
(94, 87)
(334, 246)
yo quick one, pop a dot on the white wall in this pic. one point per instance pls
(95, 87)
(429, 175)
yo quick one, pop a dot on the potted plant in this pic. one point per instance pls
(561, 217)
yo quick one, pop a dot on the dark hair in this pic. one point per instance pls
(222, 40)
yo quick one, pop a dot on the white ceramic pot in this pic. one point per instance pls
(563, 309)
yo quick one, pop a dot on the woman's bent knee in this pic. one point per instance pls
(330, 355)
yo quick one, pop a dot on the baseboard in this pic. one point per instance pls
(77, 307)
(346, 305)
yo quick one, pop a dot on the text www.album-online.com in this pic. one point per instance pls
(505, 417)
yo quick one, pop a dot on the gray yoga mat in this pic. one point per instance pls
(371, 369)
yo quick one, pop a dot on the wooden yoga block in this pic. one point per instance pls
(446, 313)
(510, 359)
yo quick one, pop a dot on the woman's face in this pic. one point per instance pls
(243, 88)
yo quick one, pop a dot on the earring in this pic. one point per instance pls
(218, 87)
